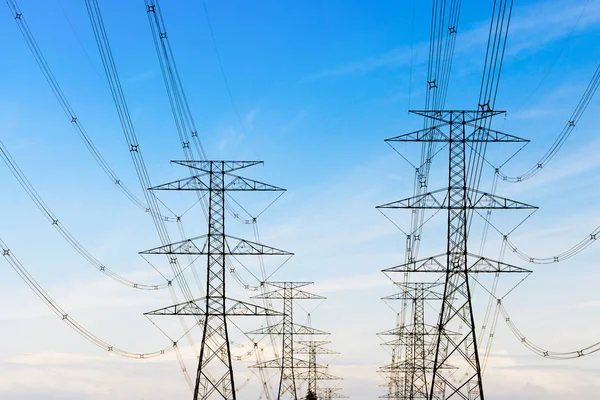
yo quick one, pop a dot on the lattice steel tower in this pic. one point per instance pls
(288, 363)
(215, 378)
(411, 371)
(313, 348)
(456, 342)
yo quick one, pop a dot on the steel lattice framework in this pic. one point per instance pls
(215, 378)
(312, 348)
(412, 338)
(456, 342)
(287, 363)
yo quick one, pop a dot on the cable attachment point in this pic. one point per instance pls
(432, 84)
(571, 123)
(163, 35)
(452, 30)
(485, 107)
(6, 252)
(134, 147)
(18, 15)
(151, 8)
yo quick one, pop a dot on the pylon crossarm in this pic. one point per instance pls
(296, 295)
(242, 308)
(227, 166)
(296, 362)
(431, 200)
(193, 246)
(321, 376)
(278, 330)
(242, 184)
(448, 116)
(438, 262)
(476, 200)
(243, 247)
(193, 183)
(185, 308)
(287, 285)
(433, 134)
(235, 246)
(482, 134)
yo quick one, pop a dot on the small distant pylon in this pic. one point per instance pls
(312, 348)
(287, 363)
(331, 393)
(215, 378)
(412, 338)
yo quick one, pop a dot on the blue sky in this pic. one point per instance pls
(317, 87)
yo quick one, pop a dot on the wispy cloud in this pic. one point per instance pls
(532, 28)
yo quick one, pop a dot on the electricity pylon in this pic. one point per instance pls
(312, 348)
(456, 342)
(331, 393)
(409, 374)
(214, 378)
(287, 363)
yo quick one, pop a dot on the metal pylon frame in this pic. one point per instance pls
(287, 363)
(313, 348)
(456, 348)
(215, 378)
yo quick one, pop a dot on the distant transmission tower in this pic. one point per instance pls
(288, 363)
(215, 372)
(456, 342)
(409, 374)
(313, 348)
(331, 393)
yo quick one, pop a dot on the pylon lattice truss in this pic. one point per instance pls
(288, 364)
(215, 378)
(313, 348)
(455, 342)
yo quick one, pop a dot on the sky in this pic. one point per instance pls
(312, 88)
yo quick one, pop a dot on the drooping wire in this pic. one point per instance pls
(24, 274)
(63, 231)
(68, 109)
(554, 355)
(119, 100)
(569, 127)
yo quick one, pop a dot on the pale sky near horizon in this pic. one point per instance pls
(317, 86)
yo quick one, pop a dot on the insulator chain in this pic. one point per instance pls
(554, 355)
(66, 318)
(578, 248)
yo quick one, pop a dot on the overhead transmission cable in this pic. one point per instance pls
(569, 127)
(68, 109)
(554, 355)
(63, 231)
(24, 274)
(120, 103)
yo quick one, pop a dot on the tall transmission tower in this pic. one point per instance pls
(215, 379)
(313, 348)
(456, 342)
(287, 363)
